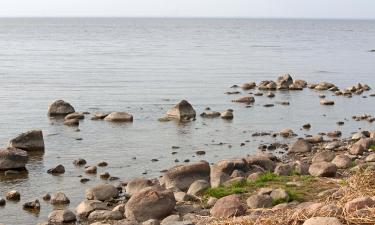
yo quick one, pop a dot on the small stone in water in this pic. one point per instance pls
(103, 164)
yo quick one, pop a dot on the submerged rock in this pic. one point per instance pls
(29, 141)
(246, 99)
(60, 169)
(60, 108)
(75, 115)
(119, 117)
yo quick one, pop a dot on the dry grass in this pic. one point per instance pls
(358, 185)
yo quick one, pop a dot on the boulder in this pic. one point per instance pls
(13, 195)
(29, 141)
(245, 99)
(182, 176)
(198, 187)
(359, 203)
(99, 116)
(342, 161)
(61, 216)
(283, 82)
(279, 195)
(75, 115)
(105, 215)
(267, 85)
(323, 169)
(227, 115)
(119, 117)
(260, 160)
(59, 169)
(183, 111)
(137, 184)
(325, 156)
(101, 192)
(13, 159)
(150, 203)
(84, 209)
(228, 206)
(60, 108)
(322, 221)
(248, 86)
(283, 169)
(221, 171)
(300, 146)
(259, 201)
(59, 198)
(356, 149)
(32, 206)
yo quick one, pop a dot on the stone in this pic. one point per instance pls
(198, 187)
(32, 206)
(287, 132)
(182, 176)
(323, 169)
(72, 122)
(103, 164)
(84, 209)
(227, 115)
(326, 102)
(181, 196)
(228, 206)
(325, 156)
(248, 86)
(75, 115)
(183, 111)
(137, 184)
(150, 203)
(306, 126)
(101, 192)
(151, 222)
(29, 141)
(332, 145)
(79, 162)
(283, 82)
(210, 114)
(59, 198)
(314, 139)
(322, 221)
(279, 195)
(13, 195)
(283, 169)
(105, 215)
(262, 161)
(334, 134)
(46, 197)
(2, 202)
(233, 181)
(359, 203)
(170, 220)
(342, 161)
(259, 201)
(221, 171)
(59, 169)
(91, 170)
(211, 201)
(370, 158)
(356, 150)
(119, 117)
(301, 168)
(300, 146)
(61, 216)
(245, 99)
(104, 176)
(13, 159)
(60, 108)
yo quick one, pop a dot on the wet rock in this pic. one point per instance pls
(61, 216)
(183, 111)
(13, 159)
(245, 99)
(325, 156)
(267, 85)
(259, 201)
(248, 86)
(13, 195)
(138, 184)
(75, 115)
(91, 170)
(60, 108)
(198, 187)
(59, 169)
(79, 162)
(46, 197)
(103, 164)
(228, 206)
(2, 202)
(314, 139)
(322, 221)
(287, 132)
(227, 115)
(150, 204)
(119, 117)
(59, 198)
(84, 180)
(210, 114)
(101, 192)
(342, 161)
(105, 215)
(300, 146)
(84, 209)
(32, 206)
(283, 82)
(270, 95)
(323, 169)
(104, 175)
(306, 126)
(359, 203)
(326, 102)
(182, 176)
(29, 141)
(200, 152)
(71, 122)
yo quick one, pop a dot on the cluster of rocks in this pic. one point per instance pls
(365, 117)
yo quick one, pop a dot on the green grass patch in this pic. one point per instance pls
(372, 147)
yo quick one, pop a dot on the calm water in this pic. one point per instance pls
(144, 66)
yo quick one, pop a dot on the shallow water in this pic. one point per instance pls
(145, 66)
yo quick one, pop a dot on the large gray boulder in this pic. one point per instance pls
(12, 159)
(60, 108)
(29, 141)
(183, 111)
(101, 192)
(150, 203)
(183, 176)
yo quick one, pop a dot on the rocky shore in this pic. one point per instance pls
(319, 179)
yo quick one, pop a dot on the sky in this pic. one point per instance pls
(351, 9)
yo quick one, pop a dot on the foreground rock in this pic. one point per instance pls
(183, 111)
(59, 198)
(32, 206)
(227, 115)
(322, 221)
(323, 169)
(222, 170)
(359, 203)
(59, 169)
(228, 206)
(150, 203)
(61, 216)
(300, 146)
(13, 159)
(259, 201)
(119, 117)
(183, 176)
(60, 108)
(29, 141)
(84, 209)
(102, 192)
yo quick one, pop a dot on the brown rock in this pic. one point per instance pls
(228, 206)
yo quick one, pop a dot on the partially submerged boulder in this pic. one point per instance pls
(119, 117)
(28, 141)
(283, 82)
(60, 108)
(13, 159)
(245, 99)
(183, 111)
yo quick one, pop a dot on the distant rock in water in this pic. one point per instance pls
(29, 141)
(119, 117)
(12, 159)
(183, 111)
(372, 50)
(60, 108)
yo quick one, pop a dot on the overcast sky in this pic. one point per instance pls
(358, 9)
